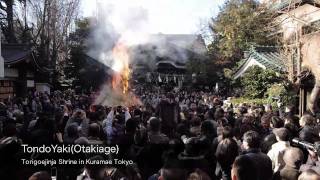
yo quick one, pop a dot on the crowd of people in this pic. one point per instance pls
(177, 135)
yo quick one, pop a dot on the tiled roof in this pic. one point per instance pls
(266, 56)
(269, 57)
(13, 53)
(94, 62)
(191, 42)
(170, 49)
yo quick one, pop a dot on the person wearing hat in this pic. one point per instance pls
(293, 158)
(277, 150)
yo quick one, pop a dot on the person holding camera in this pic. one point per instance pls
(313, 160)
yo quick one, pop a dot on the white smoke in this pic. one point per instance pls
(128, 23)
(116, 23)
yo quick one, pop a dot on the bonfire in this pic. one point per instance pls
(117, 93)
(120, 79)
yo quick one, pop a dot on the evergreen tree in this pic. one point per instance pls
(239, 24)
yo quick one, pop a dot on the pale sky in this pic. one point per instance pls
(165, 16)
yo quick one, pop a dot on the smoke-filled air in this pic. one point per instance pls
(115, 42)
(116, 32)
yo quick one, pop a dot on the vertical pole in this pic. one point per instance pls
(1, 60)
(298, 51)
(25, 16)
(301, 90)
(302, 101)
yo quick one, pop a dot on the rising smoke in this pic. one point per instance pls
(129, 25)
(116, 24)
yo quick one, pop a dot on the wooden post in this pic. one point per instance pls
(302, 100)
(298, 52)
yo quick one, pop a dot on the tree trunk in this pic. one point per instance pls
(10, 31)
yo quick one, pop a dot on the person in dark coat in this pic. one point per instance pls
(79, 118)
(244, 168)
(226, 153)
(251, 145)
(168, 112)
(126, 141)
(293, 158)
(93, 133)
(308, 132)
(72, 134)
(154, 135)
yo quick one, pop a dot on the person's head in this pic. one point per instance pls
(265, 121)
(95, 171)
(251, 139)
(82, 141)
(306, 120)
(243, 110)
(209, 115)
(41, 175)
(170, 97)
(293, 157)
(94, 130)
(247, 119)
(193, 106)
(196, 121)
(79, 114)
(309, 175)
(223, 122)
(192, 147)
(72, 130)
(137, 112)
(243, 168)
(198, 174)
(276, 122)
(154, 124)
(131, 126)
(288, 119)
(207, 129)
(172, 170)
(219, 113)
(267, 143)
(227, 132)
(226, 152)
(10, 130)
(282, 134)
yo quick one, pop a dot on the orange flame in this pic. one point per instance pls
(121, 65)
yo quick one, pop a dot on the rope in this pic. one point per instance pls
(38, 66)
